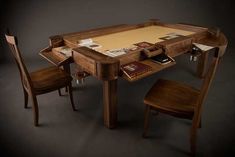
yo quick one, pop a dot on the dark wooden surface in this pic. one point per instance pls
(181, 100)
(110, 103)
(39, 82)
(107, 69)
(172, 97)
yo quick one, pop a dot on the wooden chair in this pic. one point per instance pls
(181, 100)
(39, 82)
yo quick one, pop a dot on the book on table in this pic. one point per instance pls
(135, 68)
(162, 59)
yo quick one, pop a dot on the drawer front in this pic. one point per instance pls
(178, 48)
(86, 63)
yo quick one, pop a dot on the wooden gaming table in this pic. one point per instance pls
(107, 68)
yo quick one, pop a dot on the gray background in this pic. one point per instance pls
(34, 21)
(63, 132)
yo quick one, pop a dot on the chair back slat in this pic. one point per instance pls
(223, 42)
(25, 78)
(208, 80)
(219, 52)
(206, 84)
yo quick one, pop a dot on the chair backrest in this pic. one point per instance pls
(219, 52)
(25, 78)
(222, 42)
(208, 80)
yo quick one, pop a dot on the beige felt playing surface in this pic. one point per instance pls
(126, 39)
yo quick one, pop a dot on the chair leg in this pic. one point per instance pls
(59, 92)
(25, 98)
(35, 109)
(146, 120)
(193, 139)
(199, 125)
(155, 113)
(71, 96)
(66, 89)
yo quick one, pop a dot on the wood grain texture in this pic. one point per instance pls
(202, 63)
(38, 82)
(99, 65)
(110, 103)
(180, 100)
(176, 46)
(49, 79)
(219, 41)
(107, 68)
(172, 96)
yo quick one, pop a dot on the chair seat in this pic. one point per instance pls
(49, 79)
(172, 97)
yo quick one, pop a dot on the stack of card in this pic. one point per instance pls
(115, 52)
(89, 43)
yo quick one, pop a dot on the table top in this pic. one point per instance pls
(171, 39)
(125, 37)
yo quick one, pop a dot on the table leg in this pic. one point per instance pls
(110, 103)
(66, 68)
(201, 66)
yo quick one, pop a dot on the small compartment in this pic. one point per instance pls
(176, 46)
(151, 51)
